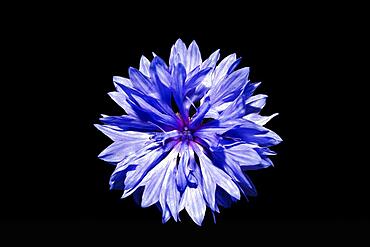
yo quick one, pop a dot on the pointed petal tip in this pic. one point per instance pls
(179, 40)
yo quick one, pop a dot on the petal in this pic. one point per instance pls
(223, 198)
(194, 57)
(173, 195)
(255, 103)
(172, 63)
(166, 215)
(154, 182)
(181, 180)
(211, 132)
(129, 123)
(178, 88)
(116, 180)
(123, 81)
(159, 70)
(181, 50)
(250, 88)
(162, 79)
(121, 100)
(194, 204)
(143, 165)
(258, 119)
(235, 110)
(199, 115)
(152, 190)
(265, 162)
(149, 109)
(233, 66)
(231, 165)
(229, 88)
(142, 83)
(212, 113)
(212, 60)
(223, 67)
(219, 176)
(209, 185)
(194, 81)
(250, 132)
(243, 155)
(144, 66)
(119, 150)
(119, 135)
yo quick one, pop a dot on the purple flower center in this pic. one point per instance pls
(186, 134)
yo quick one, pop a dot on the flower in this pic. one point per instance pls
(191, 130)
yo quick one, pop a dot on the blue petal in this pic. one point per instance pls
(166, 215)
(173, 53)
(150, 109)
(233, 66)
(198, 93)
(223, 198)
(154, 182)
(242, 154)
(220, 177)
(229, 88)
(160, 75)
(198, 117)
(223, 67)
(129, 144)
(159, 71)
(142, 83)
(211, 61)
(233, 159)
(265, 162)
(234, 110)
(181, 50)
(207, 137)
(145, 162)
(116, 134)
(250, 132)
(178, 89)
(170, 173)
(209, 185)
(255, 103)
(250, 88)
(181, 175)
(197, 79)
(192, 200)
(194, 57)
(121, 100)
(123, 81)
(129, 123)
(144, 66)
(143, 165)
(258, 119)
(192, 73)
(173, 195)
(211, 132)
(244, 182)
(117, 179)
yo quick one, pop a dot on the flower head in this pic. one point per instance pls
(191, 130)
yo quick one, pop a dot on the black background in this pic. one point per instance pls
(63, 72)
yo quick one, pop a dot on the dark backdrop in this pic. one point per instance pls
(63, 72)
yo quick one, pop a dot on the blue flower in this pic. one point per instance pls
(191, 130)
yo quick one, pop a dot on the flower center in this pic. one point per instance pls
(186, 134)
